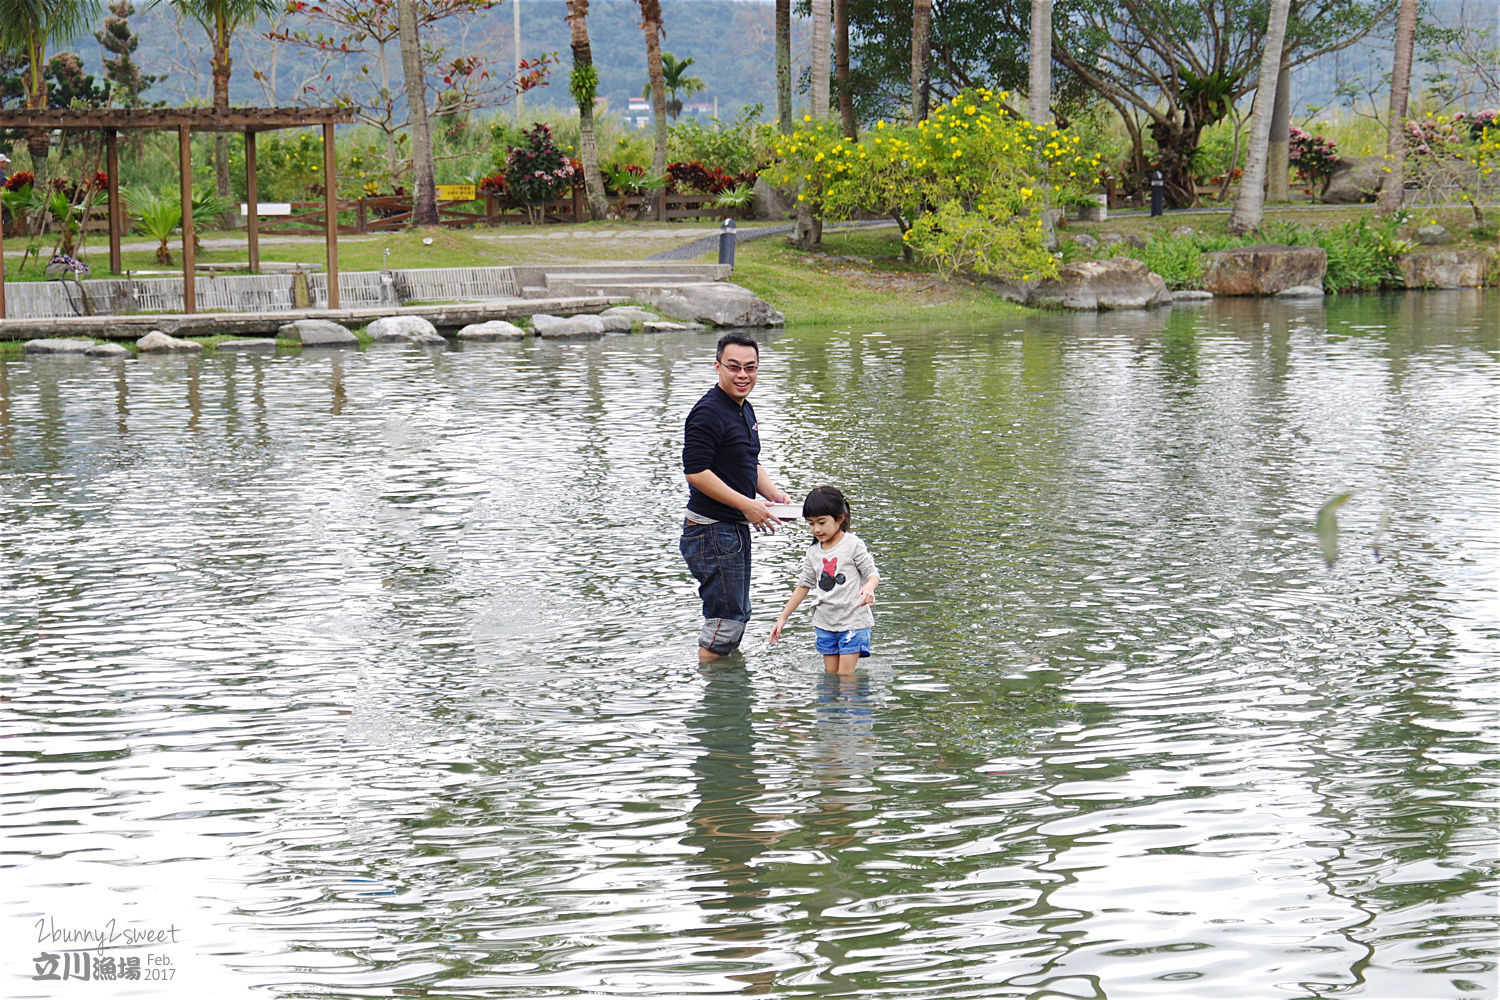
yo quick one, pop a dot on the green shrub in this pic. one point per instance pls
(740, 147)
(1363, 256)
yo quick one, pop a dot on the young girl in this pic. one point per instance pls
(839, 567)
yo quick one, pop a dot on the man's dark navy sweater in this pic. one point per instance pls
(721, 436)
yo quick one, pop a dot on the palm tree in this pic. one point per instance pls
(921, 58)
(1393, 188)
(584, 85)
(651, 25)
(784, 66)
(841, 66)
(1039, 90)
(674, 77)
(820, 28)
(1250, 204)
(221, 20)
(27, 27)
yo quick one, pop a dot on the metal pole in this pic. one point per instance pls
(185, 165)
(726, 242)
(1157, 185)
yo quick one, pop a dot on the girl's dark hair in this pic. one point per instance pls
(828, 501)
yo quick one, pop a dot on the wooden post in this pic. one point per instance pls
(252, 201)
(331, 213)
(116, 209)
(2, 268)
(185, 165)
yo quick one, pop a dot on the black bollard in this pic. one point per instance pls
(726, 243)
(1157, 185)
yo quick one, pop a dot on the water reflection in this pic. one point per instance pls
(375, 669)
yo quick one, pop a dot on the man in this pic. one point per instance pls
(721, 459)
(4, 169)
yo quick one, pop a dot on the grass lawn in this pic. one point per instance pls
(496, 246)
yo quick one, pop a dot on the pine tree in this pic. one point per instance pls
(119, 42)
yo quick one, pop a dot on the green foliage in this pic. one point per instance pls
(739, 147)
(971, 156)
(1363, 256)
(583, 84)
(954, 241)
(1217, 152)
(536, 171)
(157, 216)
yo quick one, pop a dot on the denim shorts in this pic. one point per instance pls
(855, 640)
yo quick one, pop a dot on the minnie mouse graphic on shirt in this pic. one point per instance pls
(831, 576)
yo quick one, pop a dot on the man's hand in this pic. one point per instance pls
(760, 516)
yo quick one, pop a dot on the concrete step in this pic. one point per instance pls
(616, 286)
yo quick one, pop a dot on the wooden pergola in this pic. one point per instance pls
(186, 121)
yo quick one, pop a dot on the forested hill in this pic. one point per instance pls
(731, 41)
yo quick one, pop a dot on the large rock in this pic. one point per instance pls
(615, 324)
(718, 303)
(1433, 234)
(51, 345)
(1447, 268)
(1354, 180)
(1115, 283)
(318, 333)
(495, 329)
(767, 202)
(157, 342)
(109, 350)
(403, 330)
(633, 313)
(1263, 270)
(560, 327)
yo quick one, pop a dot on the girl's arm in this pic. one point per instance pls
(798, 593)
(865, 563)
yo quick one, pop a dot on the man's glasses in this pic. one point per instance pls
(737, 369)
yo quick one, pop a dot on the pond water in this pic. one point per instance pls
(372, 674)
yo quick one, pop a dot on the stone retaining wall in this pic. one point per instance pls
(249, 293)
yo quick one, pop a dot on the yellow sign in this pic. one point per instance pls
(455, 192)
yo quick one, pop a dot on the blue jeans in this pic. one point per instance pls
(718, 555)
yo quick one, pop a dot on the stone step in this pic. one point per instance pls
(617, 286)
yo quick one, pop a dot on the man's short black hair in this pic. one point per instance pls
(736, 337)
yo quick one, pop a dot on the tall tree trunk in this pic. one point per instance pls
(651, 25)
(1250, 205)
(424, 191)
(784, 66)
(583, 87)
(1278, 156)
(1393, 188)
(921, 58)
(38, 141)
(841, 66)
(1039, 92)
(819, 59)
(222, 64)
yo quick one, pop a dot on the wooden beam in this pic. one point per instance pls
(331, 213)
(252, 202)
(171, 119)
(185, 165)
(116, 210)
